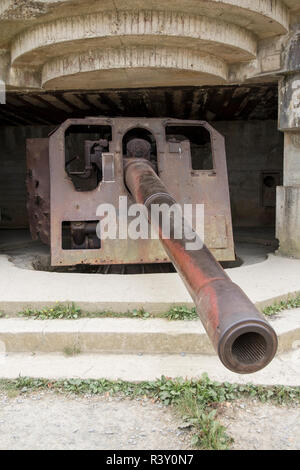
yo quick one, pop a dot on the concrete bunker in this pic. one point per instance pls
(232, 63)
(254, 149)
(227, 66)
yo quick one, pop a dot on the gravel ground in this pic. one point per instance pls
(49, 421)
(258, 426)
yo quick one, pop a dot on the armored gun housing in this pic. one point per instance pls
(94, 161)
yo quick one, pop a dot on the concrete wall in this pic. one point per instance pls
(253, 147)
(254, 151)
(288, 198)
(288, 195)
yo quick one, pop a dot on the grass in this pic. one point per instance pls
(175, 313)
(208, 433)
(59, 311)
(136, 313)
(71, 311)
(181, 313)
(277, 307)
(193, 400)
(73, 350)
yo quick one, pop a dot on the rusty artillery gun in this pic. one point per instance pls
(94, 161)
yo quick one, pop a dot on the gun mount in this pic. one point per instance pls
(94, 161)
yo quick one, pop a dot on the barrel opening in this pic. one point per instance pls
(249, 348)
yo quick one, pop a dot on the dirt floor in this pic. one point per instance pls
(49, 421)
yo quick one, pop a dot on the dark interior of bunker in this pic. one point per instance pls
(245, 115)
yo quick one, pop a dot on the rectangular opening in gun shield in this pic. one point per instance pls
(80, 235)
(200, 144)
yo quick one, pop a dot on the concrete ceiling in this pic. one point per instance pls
(208, 103)
(74, 44)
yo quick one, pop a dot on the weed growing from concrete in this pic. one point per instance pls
(278, 307)
(181, 313)
(72, 312)
(59, 311)
(176, 313)
(194, 400)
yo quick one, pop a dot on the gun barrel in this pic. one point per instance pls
(243, 339)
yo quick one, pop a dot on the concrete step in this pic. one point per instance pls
(126, 336)
(274, 279)
(284, 369)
